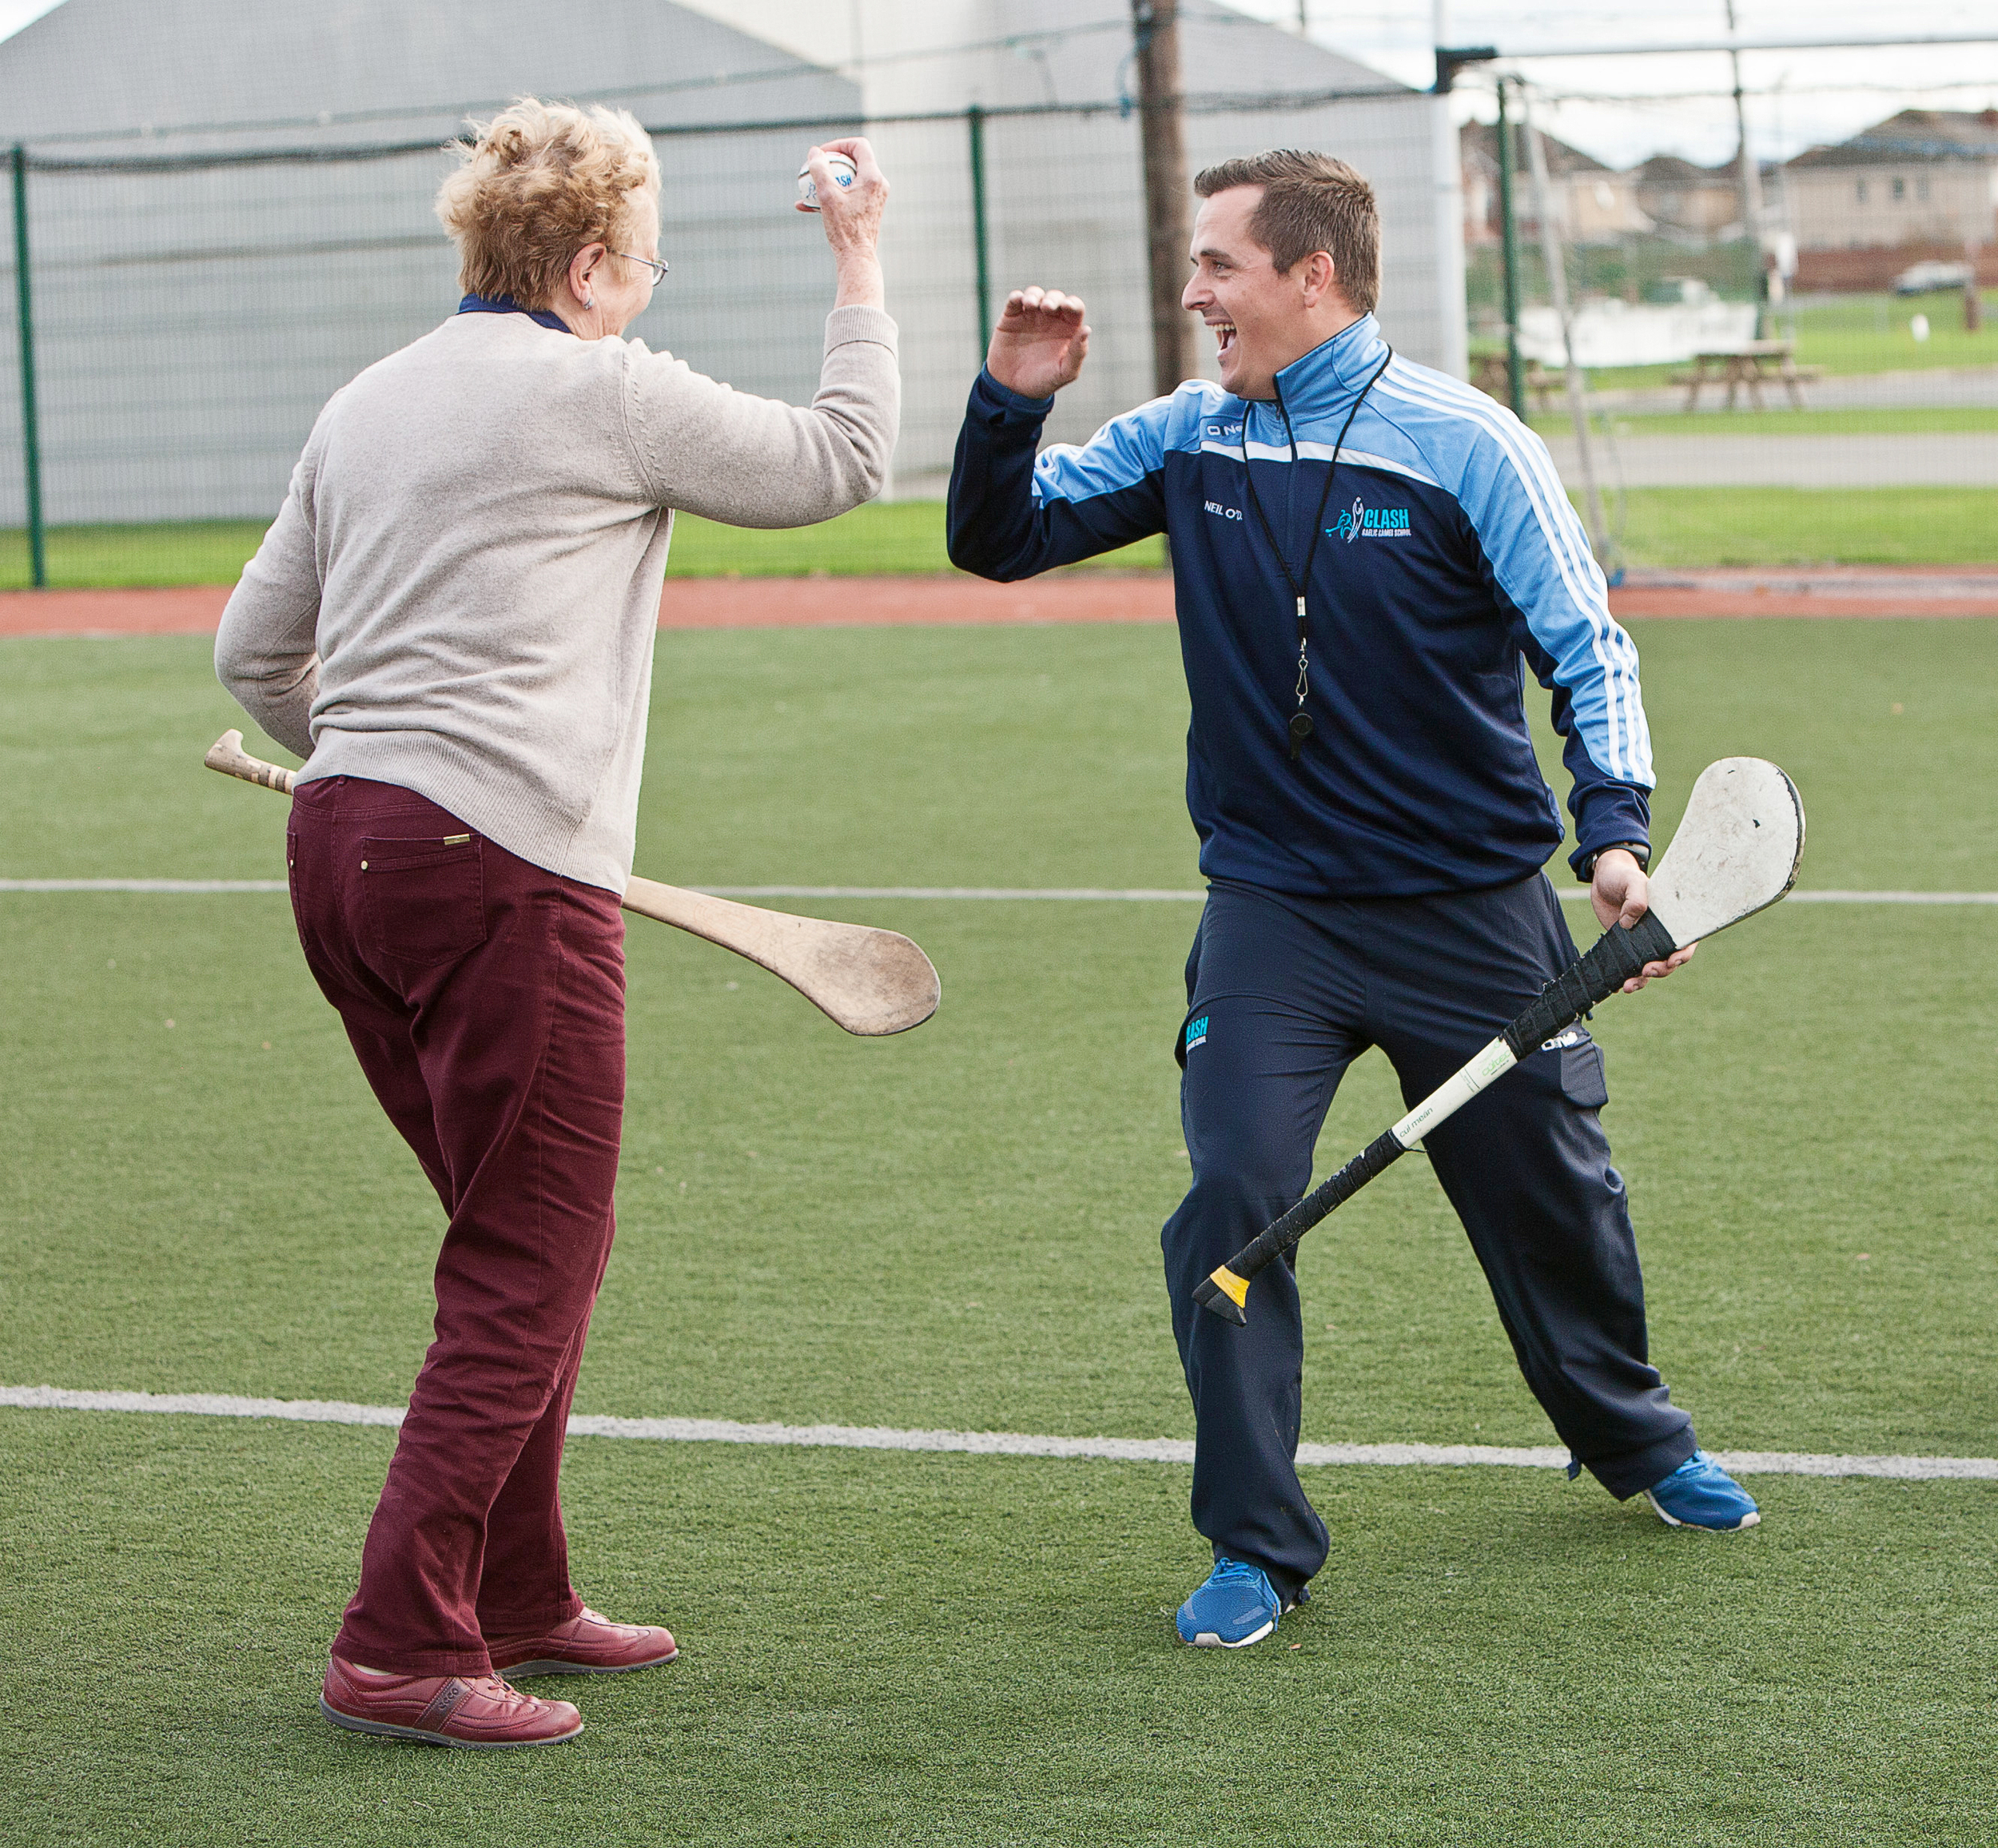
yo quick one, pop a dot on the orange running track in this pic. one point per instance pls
(1075, 596)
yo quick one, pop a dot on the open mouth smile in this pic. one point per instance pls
(1224, 332)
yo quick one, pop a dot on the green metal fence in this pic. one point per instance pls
(180, 317)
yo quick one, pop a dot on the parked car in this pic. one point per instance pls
(1925, 278)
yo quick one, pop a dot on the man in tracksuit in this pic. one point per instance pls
(1368, 555)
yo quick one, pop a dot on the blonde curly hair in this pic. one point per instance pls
(536, 184)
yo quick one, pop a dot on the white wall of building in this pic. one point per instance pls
(1065, 193)
(190, 324)
(1871, 204)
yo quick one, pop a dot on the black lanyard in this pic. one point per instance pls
(1300, 719)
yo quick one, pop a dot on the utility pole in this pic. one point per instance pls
(1558, 289)
(1155, 25)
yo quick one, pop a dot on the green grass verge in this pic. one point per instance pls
(885, 538)
(1677, 526)
(1851, 334)
(1771, 526)
(1873, 333)
(163, 552)
(972, 1650)
(1977, 419)
(888, 538)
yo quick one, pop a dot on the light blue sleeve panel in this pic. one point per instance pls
(1123, 454)
(1505, 481)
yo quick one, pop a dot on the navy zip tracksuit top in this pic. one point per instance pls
(1449, 553)
(1383, 887)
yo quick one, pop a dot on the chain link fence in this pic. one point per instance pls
(181, 317)
(1791, 364)
(184, 317)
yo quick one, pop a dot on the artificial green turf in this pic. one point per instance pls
(1020, 756)
(958, 1227)
(955, 1650)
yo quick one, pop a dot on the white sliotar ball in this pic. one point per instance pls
(845, 173)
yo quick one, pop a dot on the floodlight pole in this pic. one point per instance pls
(1509, 243)
(1453, 351)
(1751, 179)
(1558, 288)
(30, 424)
(1155, 25)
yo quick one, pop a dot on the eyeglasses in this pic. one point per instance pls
(656, 264)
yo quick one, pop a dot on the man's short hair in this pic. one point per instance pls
(1311, 202)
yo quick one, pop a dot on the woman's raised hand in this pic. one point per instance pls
(852, 217)
(1040, 343)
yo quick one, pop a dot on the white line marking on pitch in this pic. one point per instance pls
(1578, 895)
(982, 1443)
(142, 886)
(1107, 894)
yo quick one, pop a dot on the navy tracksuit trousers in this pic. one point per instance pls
(1283, 993)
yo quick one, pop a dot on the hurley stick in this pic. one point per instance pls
(1736, 852)
(870, 982)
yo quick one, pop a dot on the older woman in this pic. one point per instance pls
(452, 621)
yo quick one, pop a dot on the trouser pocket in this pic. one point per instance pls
(423, 900)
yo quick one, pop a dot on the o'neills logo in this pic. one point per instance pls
(1360, 521)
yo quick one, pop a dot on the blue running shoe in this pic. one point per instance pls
(1237, 1606)
(1701, 1494)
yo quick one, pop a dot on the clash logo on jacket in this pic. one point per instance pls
(1360, 521)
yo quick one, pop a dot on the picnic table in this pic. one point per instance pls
(1490, 375)
(1761, 362)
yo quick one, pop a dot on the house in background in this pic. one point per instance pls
(1688, 202)
(1591, 203)
(1922, 183)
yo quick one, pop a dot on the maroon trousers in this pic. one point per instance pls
(485, 1000)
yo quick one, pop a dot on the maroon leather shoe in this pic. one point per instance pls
(444, 1710)
(586, 1644)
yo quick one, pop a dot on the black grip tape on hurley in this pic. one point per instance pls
(1382, 1152)
(1616, 955)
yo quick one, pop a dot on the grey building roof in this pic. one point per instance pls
(148, 75)
(1914, 134)
(1480, 141)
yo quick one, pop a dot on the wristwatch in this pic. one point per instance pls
(1636, 849)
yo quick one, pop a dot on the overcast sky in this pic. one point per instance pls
(1824, 96)
(16, 13)
(1675, 105)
